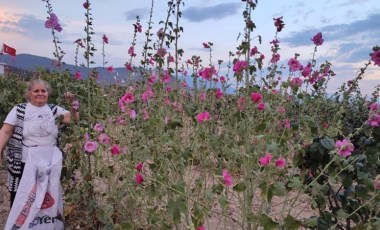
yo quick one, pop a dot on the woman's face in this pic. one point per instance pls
(38, 94)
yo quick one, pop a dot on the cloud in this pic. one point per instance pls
(337, 32)
(131, 14)
(220, 11)
(26, 25)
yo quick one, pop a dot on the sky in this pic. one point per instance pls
(349, 28)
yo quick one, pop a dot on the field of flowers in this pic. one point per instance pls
(159, 154)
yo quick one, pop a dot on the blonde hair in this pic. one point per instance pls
(29, 86)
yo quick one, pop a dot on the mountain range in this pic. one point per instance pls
(32, 63)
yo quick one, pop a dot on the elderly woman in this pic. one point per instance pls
(32, 125)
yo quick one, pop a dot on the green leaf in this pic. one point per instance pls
(290, 223)
(240, 187)
(267, 222)
(295, 182)
(328, 143)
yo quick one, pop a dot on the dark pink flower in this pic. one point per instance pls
(139, 166)
(110, 69)
(205, 45)
(86, 5)
(375, 57)
(317, 39)
(115, 150)
(374, 120)
(280, 162)
(128, 98)
(241, 103)
(279, 23)
(218, 93)
(344, 147)
(139, 178)
(203, 117)
(78, 75)
(266, 159)
(201, 228)
(306, 71)
(105, 39)
(261, 106)
(138, 27)
(53, 22)
(240, 66)
(227, 178)
(296, 82)
(129, 66)
(256, 97)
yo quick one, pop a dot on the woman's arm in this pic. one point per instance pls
(5, 133)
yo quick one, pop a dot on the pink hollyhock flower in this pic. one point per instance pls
(131, 51)
(105, 39)
(160, 33)
(201, 228)
(110, 69)
(261, 106)
(132, 114)
(129, 66)
(317, 39)
(170, 58)
(152, 79)
(281, 110)
(256, 97)
(86, 136)
(115, 150)
(90, 146)
(86, 5)
(279, 23)
(128, 98)
(296, 82)
(373, 106)
(375, 57)
(161, 52)
(287, 123)
(376, 183)
(294, 64)
(202, 96)
(53, 22)
(205, 45)
(240, 66)
(227, 178)
(207, 73)
(280, 162)
(275, 58)
(78, 75)
(139, 179)
(139, 166)
(241, 104)
(266, 159)
(306, 71)
(203, 117)
(138, 27)
(374, 120)
(104, 139)
(218, 93)
(184, 84)
(344, 147)
(166, 78)
(222, 79)
(145, 114)
(253, 51)
(98, 127)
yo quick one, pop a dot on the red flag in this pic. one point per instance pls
(9, 50)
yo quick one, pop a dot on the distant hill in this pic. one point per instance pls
(32, 63)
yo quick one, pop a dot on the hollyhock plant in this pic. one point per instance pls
(265, 160)
(306, 71)
(227, 178)
(128, 98)
(317, 39)
(110, 69)
(344, 147)
(115, 150)
(203, 117)
(90, 146)
(261, 106)
(275, 58)
(53, 23)
(139, 178)
(280, 162)
(279, 23)
(240, 66)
